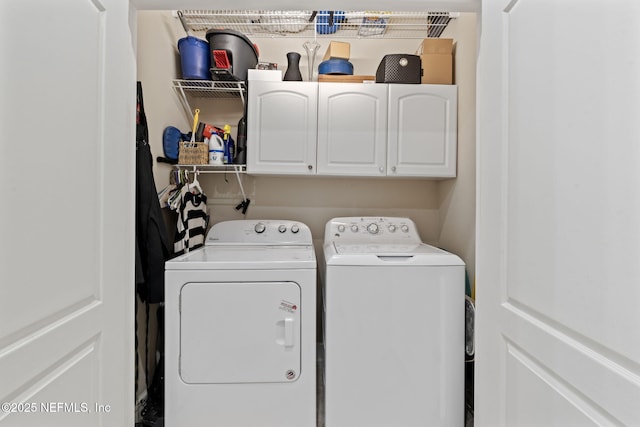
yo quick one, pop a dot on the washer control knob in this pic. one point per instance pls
(282, 228)
(260, 228)
(341, 228)
(295, 228)
(392, 228)
(354, 228)
(405, 228)
(373, 228)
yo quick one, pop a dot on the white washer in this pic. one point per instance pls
(240, 322)
(394, 327)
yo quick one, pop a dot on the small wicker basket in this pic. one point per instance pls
(193, 153)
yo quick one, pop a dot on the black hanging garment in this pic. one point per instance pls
(152, 250)
(152, 243)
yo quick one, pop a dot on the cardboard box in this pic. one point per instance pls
(340, 50)
(437, 56)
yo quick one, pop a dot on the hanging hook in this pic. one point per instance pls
(244, 205)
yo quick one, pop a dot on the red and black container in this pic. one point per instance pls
(232, 54)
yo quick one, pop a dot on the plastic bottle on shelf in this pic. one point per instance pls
(216, 150)
(229, 148)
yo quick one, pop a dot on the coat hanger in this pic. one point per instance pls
(195, 185)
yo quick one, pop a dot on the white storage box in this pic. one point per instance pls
(265, 75)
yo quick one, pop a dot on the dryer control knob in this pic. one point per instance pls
(282, 228)
(341, 228)
(354, 228)
(392, 228)
(373, 228)
(295, 228)
(260, 228)
(405, 228)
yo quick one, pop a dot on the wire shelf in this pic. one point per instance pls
(211, 88)
(208, 89)
(305, 23)
(215, 169)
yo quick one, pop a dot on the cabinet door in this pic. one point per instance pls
(422, 130)
(281, 127)
(352, 121)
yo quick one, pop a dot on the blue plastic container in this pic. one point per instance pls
(335, 66)
(195, 58)
(328, 22)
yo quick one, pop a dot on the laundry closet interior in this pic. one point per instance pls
(443, 209)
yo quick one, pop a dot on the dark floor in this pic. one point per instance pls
(468, 394)
(320, 387)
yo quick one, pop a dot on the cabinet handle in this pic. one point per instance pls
(393, 169)
(381, 169)
(310, 167)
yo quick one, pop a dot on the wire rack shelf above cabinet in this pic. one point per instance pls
(321, 24)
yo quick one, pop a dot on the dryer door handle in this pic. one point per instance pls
(289, 332)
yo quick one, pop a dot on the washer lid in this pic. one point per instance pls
(419, 254)
(243, 257)
(391, 248)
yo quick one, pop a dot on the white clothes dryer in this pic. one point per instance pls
(394, 326)
(240, 334)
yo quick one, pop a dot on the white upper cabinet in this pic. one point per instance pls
(281, 127)
(422, 130)
(352, 129)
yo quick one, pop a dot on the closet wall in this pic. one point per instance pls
(443, 210)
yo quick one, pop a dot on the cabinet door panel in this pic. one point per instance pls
(281, 127)
(352, 120)
(422, 131)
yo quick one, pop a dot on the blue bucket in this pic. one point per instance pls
(195, 58)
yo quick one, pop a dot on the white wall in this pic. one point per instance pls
(442, 210)
(457, 197)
